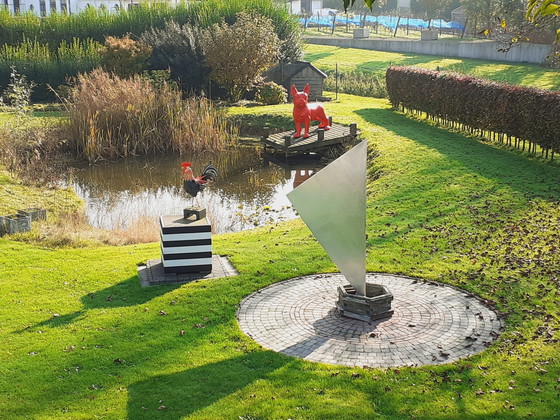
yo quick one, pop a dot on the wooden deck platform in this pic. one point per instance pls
(318, 139)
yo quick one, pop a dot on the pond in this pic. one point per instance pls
(248, 192)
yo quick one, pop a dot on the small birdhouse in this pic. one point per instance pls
(299, 74)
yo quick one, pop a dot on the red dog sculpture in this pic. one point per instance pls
(305, 112)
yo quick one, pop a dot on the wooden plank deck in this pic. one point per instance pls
(285, 142)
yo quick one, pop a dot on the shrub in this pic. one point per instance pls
(270, 93)
(286, 25)
(179, 49)
(18, 92)
(237, 54)
(124, 56)
(114, 117)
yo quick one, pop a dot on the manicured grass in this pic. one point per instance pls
(82, 339)
(376, 62)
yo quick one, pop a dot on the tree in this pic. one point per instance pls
(178, 48)
(431, 9)
(541, 9)
(237, 54)
(124, 56)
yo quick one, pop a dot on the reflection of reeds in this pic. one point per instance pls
(113, 117)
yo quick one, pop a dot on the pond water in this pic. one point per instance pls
(248, 192)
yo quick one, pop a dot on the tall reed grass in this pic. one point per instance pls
(111, 117)
(30, 150)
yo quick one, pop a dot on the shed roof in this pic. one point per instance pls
(285, 71)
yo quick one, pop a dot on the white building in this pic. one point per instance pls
(46, 7)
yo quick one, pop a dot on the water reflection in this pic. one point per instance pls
(248, 193)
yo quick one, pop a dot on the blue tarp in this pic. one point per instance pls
(387, 21)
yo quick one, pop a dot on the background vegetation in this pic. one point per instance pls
(81, 338)
(39, 47)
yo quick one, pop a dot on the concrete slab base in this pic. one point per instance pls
(152, 273)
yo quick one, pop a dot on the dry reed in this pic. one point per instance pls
(115, 117)
(74, 230)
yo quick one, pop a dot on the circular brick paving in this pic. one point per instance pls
(432, 323)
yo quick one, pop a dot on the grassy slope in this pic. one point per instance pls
(376, 62)
(444, 207)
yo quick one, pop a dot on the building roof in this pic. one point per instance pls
(285, 71)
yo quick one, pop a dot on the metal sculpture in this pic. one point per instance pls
(337, 216)
(332, 204)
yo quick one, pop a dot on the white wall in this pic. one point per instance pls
(73, 6)
(316, 5)
(295, 7)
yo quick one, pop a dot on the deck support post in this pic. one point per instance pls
(287, 142)
(320, 134)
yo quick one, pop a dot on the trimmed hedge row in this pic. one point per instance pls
(527, 114)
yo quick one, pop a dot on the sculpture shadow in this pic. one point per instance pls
(177, 395)
(329, 328)
(126, 293)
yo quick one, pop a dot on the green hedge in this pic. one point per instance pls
(523, 113)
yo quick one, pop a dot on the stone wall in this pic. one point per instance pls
(484, 50)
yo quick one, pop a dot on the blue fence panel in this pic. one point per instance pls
(389, 22)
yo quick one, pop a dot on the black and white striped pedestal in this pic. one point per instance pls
(186, 245)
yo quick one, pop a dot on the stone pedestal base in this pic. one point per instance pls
(375, 305)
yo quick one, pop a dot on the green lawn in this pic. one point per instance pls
(81, 339)
(376, 62)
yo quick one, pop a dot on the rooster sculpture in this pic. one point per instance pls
(193, 185)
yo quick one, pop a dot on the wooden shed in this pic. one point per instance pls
(299, 73)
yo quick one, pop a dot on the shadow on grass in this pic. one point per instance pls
(180, 394)
(126, 293)
(529, 177)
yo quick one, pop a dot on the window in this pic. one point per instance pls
(53, 5)
(43, 7)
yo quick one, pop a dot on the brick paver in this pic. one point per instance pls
(432, 323)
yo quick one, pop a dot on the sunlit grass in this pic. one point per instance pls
(81, 338)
